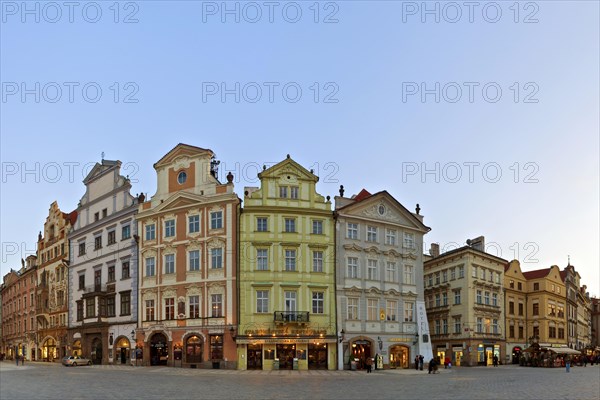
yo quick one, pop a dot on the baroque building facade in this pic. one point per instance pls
(465, 304)
(52, 307)
(379, 281)
(103, 268)
(188, 264)
(287, 270)
(515, 311)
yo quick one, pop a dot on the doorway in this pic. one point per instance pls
(286, 354)
(254, 355)
(159, 353)
(399, 356)
(516, 355)
(96, 351)
(361, 350)
(317, 356)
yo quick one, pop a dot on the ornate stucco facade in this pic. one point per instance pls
(465, 305)
(287, 273)
(379, 280)
(52, 306)
(103, 278)
(188, 264)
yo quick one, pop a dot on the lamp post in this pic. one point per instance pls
(135, 354)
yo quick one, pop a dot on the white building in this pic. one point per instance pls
(380, 281)
(103, 268)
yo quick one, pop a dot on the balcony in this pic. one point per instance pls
(291, 316)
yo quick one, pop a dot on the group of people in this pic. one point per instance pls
(431, 368)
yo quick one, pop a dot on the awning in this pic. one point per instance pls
(563, 350)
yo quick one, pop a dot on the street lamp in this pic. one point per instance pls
(341, 336)
(232, 332)
(380, 342)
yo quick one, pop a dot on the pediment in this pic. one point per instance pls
(352, 247)
(372, 249)
(182, 152)
(288, 167)
(178, 200)
(374, 290)
(100, 169)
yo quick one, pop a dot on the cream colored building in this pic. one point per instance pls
(465, 304)
(515, 310)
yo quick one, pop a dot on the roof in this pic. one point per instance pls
(181, 146)
(363, 194)
(537, 274)
(461, 249)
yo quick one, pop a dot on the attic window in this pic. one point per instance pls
(181, 177)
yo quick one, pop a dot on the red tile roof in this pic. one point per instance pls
(362, 195)
(537, 274)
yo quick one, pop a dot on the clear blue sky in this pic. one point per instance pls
(380, 134)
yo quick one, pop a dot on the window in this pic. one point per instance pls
(290, 260)
(90, 305)
(536, 286)
(216, 220)
(97, 242)
(81, 248)
(519, 285)
(552, 332)
(290, 225)
(81, 281)
(283, 192)
(149, 310)
(96, 216)
(194, 305)
(474, 272)
(561, 311)
(352, 231)
(150, 232)
(521, 332)
(561, 333)
(495, 328)
(80, 310)
(125, 232)
(511, 331)
(457, 297)
(169, 308)
(194, 256)
(372, 270)
(482, 274)
(217, 305)
(352, 308)
(194, 223)
(317, 227)
(430, 280)
(390, 237)
(104, 213)
(391, 307)
(437, 327)
(371, 234)
(372, 309)
(409, 240)
(479, 325)
(262, 259)
(437, 278)
(487, 298)
(408, 311)
(318, 302)
(150, 266)
(352, 267)
(445, 326)
(317, 261)
(552, 310)
(491, 276)
(457, 325)
(110, 306)
(126, 303)
(511, 307)
(461, 272)
(495, 299)
(479, 297)
(262, 224)
(111, 273)
(216, 347)
(536, 309)
(216, 258)
(445, 299)
(390, 272)
(169, 263)
(125, 270)
(181, 177)
(452, 274)
(262, 301)
(170, 228)
(409, 276)
(511, 284)
(294, 192)
(438, 300)
(112, 237)
(444, 276)
(521, 309)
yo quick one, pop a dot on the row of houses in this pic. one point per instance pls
(189, 277)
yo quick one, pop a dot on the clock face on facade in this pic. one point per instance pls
(381, 209)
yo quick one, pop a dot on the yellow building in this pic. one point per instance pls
(546, 304)
(515, 298)
(287, 273)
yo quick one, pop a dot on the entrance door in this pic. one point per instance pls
(286, 354)
(516, 355)
(317, 356)
(97, 351)
(123, 355)
(254, 355)
(159, 353)
(399, 357)
(361, 349)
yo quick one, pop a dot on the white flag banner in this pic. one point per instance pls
(423, 330)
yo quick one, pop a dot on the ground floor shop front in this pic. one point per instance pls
(292, 354)
(385, 350)
(103, 343)
(470, 353)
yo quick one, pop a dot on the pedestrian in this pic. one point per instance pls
(431, 365)
(369, 364)
(376, 360)
(17, 359)
(495, 360)
(568, 363)
(585, 360)
(446, 362)
(421, 359)
(417, 362)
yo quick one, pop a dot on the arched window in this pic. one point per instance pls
(193, 350)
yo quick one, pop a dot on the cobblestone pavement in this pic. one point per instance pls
(53, 381)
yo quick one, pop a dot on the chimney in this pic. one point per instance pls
(434, 250)
(478, 243)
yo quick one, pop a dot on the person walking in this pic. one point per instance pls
(417, 362)
(495, 360)
(369, 364)
(431, 366)
(421, 360)
(568, 364)
(585, 360)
